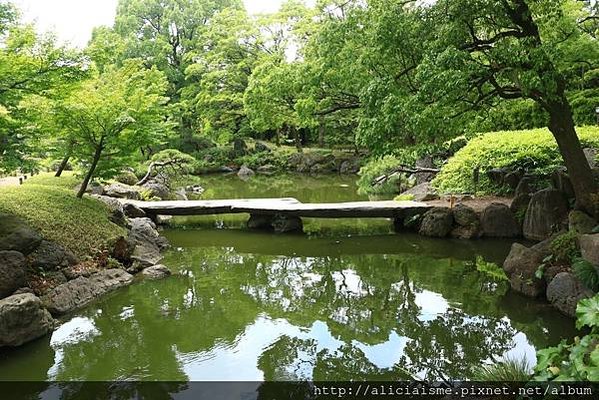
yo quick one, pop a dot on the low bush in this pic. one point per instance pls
(532, 150)
(565, 247)
(127, 177)
(378, 167)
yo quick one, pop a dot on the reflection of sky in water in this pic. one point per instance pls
(431, 304)
(70, 333)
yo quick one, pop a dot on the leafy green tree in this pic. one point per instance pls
(219, 75)
(274, 99)
(271, 99)
(30, 64)
(165, 34)
(8, 16)
(511, 49)
(112, 115)
(106, 48)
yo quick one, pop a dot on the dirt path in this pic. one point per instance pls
(9, 181)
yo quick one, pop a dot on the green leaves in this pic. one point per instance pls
(578, 361)
(587, 313)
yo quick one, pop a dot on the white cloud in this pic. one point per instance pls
(74, 20)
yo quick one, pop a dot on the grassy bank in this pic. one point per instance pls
(49, 205)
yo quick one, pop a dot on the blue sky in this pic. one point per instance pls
(73, 20)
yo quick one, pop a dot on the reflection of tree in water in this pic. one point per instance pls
(144, 332)
(446, 347)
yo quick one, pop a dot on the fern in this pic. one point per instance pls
(587, 273)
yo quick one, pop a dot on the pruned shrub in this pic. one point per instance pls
(534, 151)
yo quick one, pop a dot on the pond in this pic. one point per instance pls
(350, 300)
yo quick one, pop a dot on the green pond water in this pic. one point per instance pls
(349, 300)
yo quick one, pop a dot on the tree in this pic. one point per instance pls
(105, 48)
(271, 99)
(165, 34)
(510, 49)
(112, 115)
(30, 64)
(218, 77)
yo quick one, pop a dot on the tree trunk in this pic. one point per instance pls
(563, 129)
(278, 137)
(92, 169)
(62, 166)
(298, 139)
(321, 132)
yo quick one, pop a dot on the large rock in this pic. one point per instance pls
(155, 189)
(513, 179)
(521, 266)
(260, 221)
(497, 175)
(146, 243)
(545, 215)
(240, 147)
(81, 291)
(437, 222)
(466, 232)
(312, 162)
(561, 182)
(50, 256)
(581, 223)
(156, 272)
(285, 224)
(23, 319)
(132, 211)
(565, 291)
(245, 172)
(465, 216)
(267, 169)
(16, 235)
(520, 205)
(261, 148)
(93, 188)
(12, 272)
(181, 194)
(115, 207)
(350, 166)
(499, 221)
(143, 231)
(589, 247)
(422, 192)
(145, 255)
(467, 221)
(525, 187)
(122, 191)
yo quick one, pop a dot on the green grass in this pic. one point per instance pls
(49, 205)
(533, 150)
(509, 370)
(68, 180)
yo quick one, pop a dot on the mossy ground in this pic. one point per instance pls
(49, 205)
